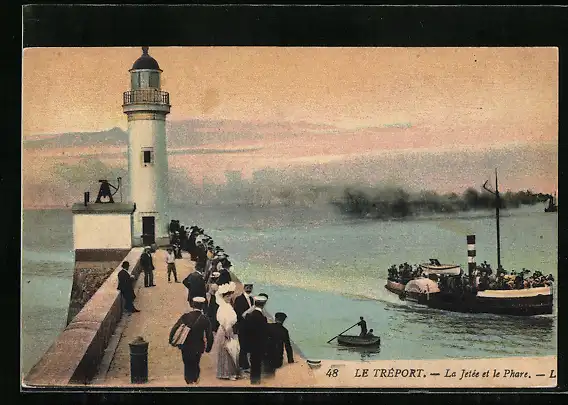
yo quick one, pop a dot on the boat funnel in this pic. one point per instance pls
(471, 255)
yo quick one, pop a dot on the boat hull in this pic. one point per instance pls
(469, 303)
(358, 341)
(528, 305)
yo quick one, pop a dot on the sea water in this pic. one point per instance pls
(324, 271)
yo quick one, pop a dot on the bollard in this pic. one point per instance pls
(138, 361)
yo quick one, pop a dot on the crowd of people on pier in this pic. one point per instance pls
(233, 328)
(483, 278)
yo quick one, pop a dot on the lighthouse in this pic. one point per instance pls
(146, 107)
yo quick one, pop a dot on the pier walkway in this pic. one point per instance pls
(160, 308)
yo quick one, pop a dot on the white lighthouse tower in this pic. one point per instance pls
(146, 106)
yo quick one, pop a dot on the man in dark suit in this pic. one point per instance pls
(194, 345)
(195, 285)
(278, 339)
(191, 247)
(200, 256)
(212, 307)
(224, 275)
(126, 289)
(147, 267)
(256, 337)
(242, 303)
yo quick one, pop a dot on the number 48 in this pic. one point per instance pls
(332, 373)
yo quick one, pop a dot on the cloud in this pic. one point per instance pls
(210, 151)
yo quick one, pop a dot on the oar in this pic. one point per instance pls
(342, 332)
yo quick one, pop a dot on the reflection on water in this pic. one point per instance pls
(365, 353)
(498, 334)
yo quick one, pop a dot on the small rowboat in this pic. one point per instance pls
(350, 340)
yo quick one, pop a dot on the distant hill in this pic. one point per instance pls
(180, 134)
(111, 137)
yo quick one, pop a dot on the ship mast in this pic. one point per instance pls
(497, 205)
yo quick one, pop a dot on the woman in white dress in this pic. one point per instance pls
(225, 344)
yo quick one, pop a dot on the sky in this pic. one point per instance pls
(372, 100)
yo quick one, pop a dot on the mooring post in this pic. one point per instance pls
(138, 361)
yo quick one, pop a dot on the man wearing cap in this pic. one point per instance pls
(256, 335)
(126, 289)
(248, 311)
(278, 339)
(241, 304)
(195, 285)
(147, 267)
(194, 345)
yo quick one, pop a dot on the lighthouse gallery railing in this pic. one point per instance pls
(146, 96)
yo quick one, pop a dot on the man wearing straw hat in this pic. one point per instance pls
(194, 345)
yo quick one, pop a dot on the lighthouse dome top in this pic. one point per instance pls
(145, 61)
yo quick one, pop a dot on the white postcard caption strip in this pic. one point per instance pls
(514, 372)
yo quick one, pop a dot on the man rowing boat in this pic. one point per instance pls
(363, 326)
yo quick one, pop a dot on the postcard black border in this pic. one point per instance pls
(230, 25)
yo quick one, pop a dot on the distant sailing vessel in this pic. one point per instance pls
(552, 204)
(445, 286)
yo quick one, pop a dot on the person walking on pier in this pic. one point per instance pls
(195, 285)
(200, 256)
(171, 263)
(191, 247)
(225, 345)
(147, 267)
(194, 345)
(224, 275)
(278, 339)
(256, 337)
(212, 307)
(242, 303)
(126, 288)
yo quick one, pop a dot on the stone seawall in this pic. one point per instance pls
(74, 357)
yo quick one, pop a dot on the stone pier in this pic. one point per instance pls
(160, 308)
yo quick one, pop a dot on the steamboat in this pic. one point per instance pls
(447, 287)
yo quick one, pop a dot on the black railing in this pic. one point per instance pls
(146, 96)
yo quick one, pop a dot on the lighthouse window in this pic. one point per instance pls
(148, 156)
(155, 80)
(135, 80)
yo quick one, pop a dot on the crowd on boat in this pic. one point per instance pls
(483, 278)
(234, 328)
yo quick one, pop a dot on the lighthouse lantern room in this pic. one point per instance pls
(146, 106)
